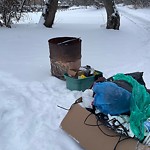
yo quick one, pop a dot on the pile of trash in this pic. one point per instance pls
(83, 72)
(82, 78)
(122, 103)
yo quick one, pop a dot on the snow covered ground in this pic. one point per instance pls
(29, 95)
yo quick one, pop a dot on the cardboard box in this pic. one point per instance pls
(72, 72)
(90, 137)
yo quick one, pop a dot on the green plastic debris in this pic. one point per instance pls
(139, 105)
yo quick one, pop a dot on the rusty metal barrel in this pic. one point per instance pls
(65, 54)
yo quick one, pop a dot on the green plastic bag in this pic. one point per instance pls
(139, 105)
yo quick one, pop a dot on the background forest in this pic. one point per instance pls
(10, 10)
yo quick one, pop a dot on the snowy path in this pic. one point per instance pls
(142, 21)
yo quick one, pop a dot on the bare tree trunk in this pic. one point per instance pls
(113, 18)
(49, 15)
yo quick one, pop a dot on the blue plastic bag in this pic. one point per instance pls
(111, 99)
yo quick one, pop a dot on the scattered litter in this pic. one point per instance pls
(111, 111)
(81, 79)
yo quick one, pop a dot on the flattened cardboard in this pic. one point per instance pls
(72, 72)
(90, 137)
